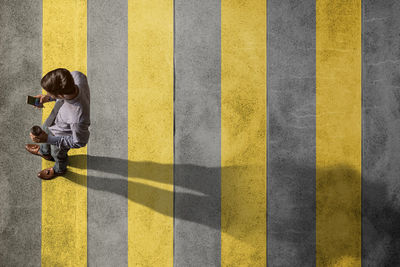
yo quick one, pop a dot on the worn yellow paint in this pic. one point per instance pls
(338, 133)
(64, 209)
(150, 133)
(243, 133)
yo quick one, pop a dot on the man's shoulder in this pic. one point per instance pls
(77, 72)
(79, 77)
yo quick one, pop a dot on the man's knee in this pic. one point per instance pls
(60, 154)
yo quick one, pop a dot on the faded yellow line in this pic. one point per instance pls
(338, 124)
(64, 208)
(243, 133)
(150, 133)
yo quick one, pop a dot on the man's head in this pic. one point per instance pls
(58, 82)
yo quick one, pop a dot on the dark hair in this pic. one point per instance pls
(58, 82)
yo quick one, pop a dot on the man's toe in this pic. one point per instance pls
(46, 174)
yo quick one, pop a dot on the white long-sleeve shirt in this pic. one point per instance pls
(71, 125)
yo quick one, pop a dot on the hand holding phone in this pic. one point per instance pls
(35, 101)
(38, 100)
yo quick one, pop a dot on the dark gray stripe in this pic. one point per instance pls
(381, 134)
(291, 133)
(108, 145)
(20, 189)
(198, 133)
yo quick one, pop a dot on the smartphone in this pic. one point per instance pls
(35, 101)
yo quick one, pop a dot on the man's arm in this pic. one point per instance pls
(79, 137)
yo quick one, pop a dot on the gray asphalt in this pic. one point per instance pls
(20, 189)
(291, 133)
(381, 138)
(108, 146)
(197, 133)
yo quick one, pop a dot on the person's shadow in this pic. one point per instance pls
(199, 186)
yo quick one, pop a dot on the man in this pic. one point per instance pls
(68, 124)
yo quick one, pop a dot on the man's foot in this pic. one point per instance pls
(34, 149)
(49, 173)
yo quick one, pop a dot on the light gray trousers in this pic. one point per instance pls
(60, 155)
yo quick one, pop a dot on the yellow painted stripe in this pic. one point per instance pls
(338, 123)
(243, 130)
(64, 211)
(150, 133)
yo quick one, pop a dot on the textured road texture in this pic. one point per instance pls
(224, 133)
